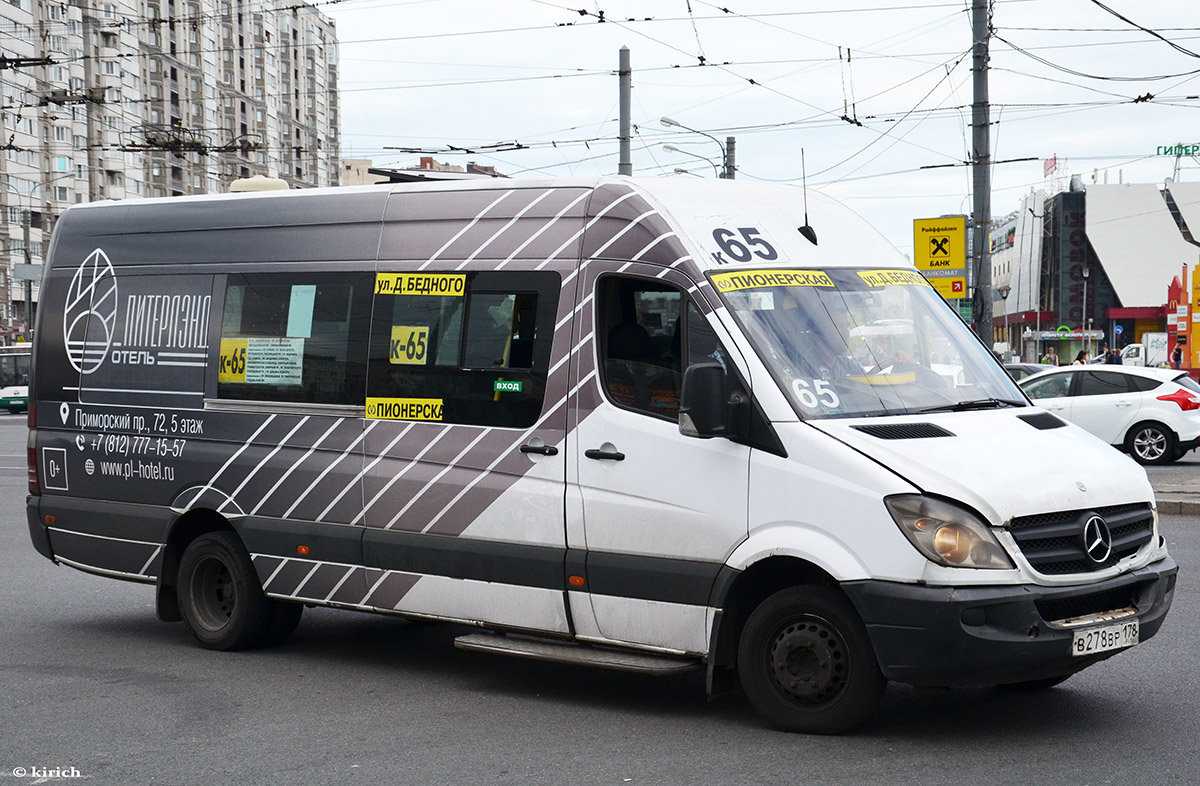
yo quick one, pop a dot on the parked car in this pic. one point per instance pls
(1151, 413)
(1019, 371)
(15, 398)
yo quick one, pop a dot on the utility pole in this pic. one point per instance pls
(730, 159)
(28, 269)
(89, 82)
(981, 165)
(625, 162)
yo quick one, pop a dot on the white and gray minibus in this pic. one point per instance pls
(640, 424)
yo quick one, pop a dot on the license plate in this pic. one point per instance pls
(1089, 641)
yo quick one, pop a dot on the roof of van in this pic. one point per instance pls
(689, 222)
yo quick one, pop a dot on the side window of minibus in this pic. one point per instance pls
(295, 338)
(474, 345)
(649, 332)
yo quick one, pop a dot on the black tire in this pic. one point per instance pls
(220, 598)
(282, 619)
(1151, 442)
(806, 662)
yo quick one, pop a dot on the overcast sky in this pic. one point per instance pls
(432, 74)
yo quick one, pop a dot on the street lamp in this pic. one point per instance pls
(1004, 293)
(673, 149)
(726, 174)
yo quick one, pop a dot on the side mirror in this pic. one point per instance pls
(703, 404)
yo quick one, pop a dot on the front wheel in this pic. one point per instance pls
(1151, 443)
(806, 663)
(220, 598)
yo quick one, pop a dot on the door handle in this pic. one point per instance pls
(611, 455)
(545, 450)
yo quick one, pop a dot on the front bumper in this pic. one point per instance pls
(960, 636)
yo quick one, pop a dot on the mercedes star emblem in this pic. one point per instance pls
(1097, 539)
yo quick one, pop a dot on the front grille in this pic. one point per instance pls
(1053, 542)
(1053, 609)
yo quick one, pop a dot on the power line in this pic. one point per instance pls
(902, 119)
(1073, 72)
(1147, 30)
(1091, 29)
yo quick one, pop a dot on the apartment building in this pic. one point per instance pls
(108, 99)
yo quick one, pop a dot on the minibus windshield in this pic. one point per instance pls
(855, 343)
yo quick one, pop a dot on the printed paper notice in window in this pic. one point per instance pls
(262, 361)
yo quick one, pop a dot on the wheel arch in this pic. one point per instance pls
(737, 594)
(1172, 440)
(180, 533)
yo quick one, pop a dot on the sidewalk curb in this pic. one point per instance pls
(1170, 505)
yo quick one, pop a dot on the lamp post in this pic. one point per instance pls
(1004, 293)
(727, 172)
(1083, 319)
(25, 220)
(673, 149)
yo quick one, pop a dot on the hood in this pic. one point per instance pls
(998, 463)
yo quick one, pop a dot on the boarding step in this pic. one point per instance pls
(570, 652)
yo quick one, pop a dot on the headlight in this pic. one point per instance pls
(947, 534)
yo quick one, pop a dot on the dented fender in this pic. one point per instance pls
(800, 541)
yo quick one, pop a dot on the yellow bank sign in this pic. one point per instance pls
(940, 253)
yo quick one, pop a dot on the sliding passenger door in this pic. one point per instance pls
(283, 453)
(465, 474)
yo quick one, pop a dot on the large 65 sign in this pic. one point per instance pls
(741, 246)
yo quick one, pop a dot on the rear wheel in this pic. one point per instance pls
(1151, 443)
(806, 663)
(220, 598)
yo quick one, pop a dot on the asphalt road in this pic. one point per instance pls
(1185, 470)
(90, 680)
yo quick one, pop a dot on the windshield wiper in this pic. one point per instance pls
(979, 403)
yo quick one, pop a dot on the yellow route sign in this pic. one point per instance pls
(231, 367)
(940, 253)
(410, 345)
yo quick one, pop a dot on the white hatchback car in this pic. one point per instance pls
(1151, 413)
